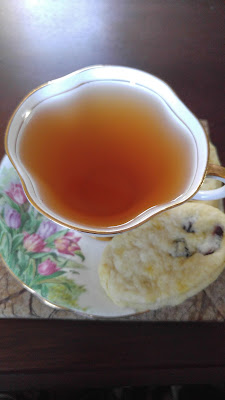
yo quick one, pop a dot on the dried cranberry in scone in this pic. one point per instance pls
(218, 231)
(188, 225)
(213, 242)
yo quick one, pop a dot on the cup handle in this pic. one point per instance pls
(215, 172)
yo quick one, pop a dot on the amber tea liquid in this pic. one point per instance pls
(104, 152)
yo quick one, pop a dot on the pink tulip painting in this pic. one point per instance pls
(17, 194)
(47, 267)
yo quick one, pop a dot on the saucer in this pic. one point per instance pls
(58, 265)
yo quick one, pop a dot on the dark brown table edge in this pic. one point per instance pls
(43, 354)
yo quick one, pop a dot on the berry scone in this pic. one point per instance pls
(171, 257)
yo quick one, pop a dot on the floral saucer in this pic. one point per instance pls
(58, 265)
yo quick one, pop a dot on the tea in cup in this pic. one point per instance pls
(105, 148)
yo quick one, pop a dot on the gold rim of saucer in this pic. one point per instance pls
(62, 308)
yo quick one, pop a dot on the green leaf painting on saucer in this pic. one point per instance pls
(39, 252)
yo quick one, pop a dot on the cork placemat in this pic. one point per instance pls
(17, 302)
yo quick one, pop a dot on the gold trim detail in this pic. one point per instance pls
(62, 308)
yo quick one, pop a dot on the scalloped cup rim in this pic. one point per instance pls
(72, 81)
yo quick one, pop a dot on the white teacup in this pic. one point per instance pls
(132, 77)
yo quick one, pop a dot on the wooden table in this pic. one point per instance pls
(180, 42)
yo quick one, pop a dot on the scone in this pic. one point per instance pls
(166, 260)
(210, 184)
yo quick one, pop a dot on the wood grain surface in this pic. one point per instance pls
(52, 354)
(178, 41)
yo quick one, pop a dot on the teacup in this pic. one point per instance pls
(118, 132)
